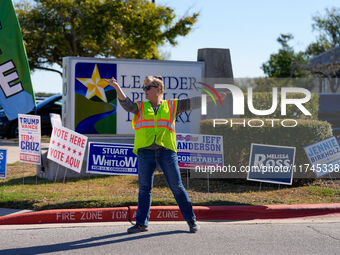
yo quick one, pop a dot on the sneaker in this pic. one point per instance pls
(137, 228)
(194, 227)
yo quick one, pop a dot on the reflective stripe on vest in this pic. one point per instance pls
(140, 108)
(141, 123)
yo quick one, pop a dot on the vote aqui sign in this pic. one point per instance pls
(29, 138)
(67, 148)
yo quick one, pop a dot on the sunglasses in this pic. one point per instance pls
(148, 87)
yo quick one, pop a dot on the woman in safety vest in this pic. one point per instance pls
(155, 140)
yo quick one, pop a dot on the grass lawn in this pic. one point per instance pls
(22, 189)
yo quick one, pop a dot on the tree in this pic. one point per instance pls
(328, 38)
(53, 29)
(329, 32)
(286, 63)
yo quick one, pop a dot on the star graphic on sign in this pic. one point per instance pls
(95, 85)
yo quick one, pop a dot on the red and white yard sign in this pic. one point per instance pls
(67, 148)
(29, 138)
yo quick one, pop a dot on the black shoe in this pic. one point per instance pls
(194, 227)
(137, 228)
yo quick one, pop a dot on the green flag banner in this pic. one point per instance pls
(16, 92)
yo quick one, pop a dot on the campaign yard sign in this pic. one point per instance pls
(271, 163)
(199, 150)
(111, 158)
(55, 120)
(67, 148)
(29, 138)
(3, 158)
(324, 156)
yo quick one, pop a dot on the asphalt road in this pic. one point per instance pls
(253, 237)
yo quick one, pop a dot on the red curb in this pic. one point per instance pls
(161, 213)
(171, 213)
(67, 216)
(263, 212)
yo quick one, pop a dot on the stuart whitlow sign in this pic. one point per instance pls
(67, 148)
(271, 163)
(111, 158)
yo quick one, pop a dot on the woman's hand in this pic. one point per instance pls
(112, 82)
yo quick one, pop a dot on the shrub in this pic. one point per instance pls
(237, 139)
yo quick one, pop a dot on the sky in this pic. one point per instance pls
(248, 28)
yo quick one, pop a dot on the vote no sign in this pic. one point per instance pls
(67, 148)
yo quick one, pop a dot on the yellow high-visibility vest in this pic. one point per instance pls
(159, 128)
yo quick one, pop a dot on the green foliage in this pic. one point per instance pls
(264, 101)
(97, 28)
(329, 32)
(237, 139)
(286, 63)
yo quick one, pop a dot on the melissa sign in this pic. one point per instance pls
(271, 163)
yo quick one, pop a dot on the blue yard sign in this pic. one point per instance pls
(324, 156)
(196, 150)
(111, 158)
(271, 163)
(3, 157)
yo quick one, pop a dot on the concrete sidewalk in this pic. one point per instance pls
(12, 150)
(168, 213)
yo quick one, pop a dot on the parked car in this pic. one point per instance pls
(9, 128)
(329, 110)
